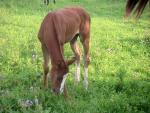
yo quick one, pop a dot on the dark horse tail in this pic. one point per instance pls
(131, 4)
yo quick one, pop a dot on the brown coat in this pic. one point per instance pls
(60, 27)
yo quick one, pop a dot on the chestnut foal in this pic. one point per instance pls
(58, 28)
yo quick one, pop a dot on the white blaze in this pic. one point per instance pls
(63, 83)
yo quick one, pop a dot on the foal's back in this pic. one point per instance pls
(66, 23)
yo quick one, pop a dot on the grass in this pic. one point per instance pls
(119, 73)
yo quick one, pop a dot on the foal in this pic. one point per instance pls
(58, 28)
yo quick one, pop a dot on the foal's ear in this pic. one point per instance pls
(71, 61)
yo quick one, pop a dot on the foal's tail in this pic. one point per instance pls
(131, 4)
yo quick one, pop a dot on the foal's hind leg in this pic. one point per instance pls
(76, 51)
(85, 37)
(45, 65)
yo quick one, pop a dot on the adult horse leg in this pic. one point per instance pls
(54, 1)
(76, 50)
(140, 7)
(45, 65)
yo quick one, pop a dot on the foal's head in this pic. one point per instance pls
(59, 75)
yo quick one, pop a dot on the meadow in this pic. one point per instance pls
(119, 72)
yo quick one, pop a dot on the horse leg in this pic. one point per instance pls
(45, 65)
(140, 7)
(76, 51)
(47, 2)
(85, 37)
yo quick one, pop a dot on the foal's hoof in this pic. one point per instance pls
(85, 83)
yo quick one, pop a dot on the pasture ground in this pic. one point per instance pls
(119, 73)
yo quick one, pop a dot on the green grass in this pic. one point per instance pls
(119, 73)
